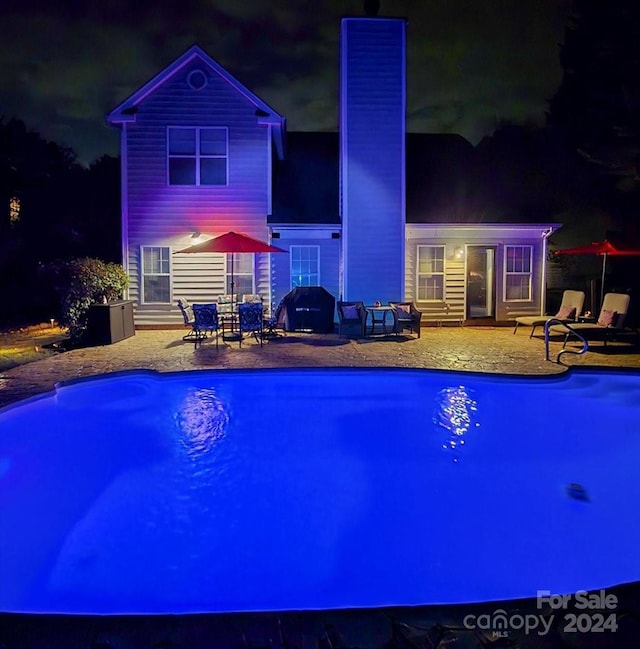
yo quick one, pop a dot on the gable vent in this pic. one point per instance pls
(197, 79)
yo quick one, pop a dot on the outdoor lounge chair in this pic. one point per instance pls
(570, 309)
(609, 324)
(206, 321)
(352, 318)
(407, 317)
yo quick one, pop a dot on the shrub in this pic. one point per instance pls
(83, 282)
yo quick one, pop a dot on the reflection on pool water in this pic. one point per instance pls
(316, 489)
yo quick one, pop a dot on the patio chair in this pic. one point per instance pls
(250, 298)
(206, 321)
(609, 324)
(250, 321)
(407, 317)
(274, 321)
(352, 318)
(189, 320)
(570, 309)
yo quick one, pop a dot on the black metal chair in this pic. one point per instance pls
(250, 321)
(206, 321)
(273, 322)
(407, 317)
(352, 318)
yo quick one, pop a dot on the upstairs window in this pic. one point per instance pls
(430, 268)
(517, 273)
(197, 156)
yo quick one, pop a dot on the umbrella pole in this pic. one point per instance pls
(233, 294)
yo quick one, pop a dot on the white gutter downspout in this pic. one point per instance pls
(543, 280)
(124, 200)
(269, 211)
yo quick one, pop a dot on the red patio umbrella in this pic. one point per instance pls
(232, 242)
(605, 249)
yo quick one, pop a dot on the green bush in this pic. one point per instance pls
(83, 282)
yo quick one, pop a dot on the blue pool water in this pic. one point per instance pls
(317, 489)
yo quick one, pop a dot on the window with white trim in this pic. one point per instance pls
(156, 275)
(517, 273)
(242, 273)
(305, 266)
(197, 156)
(430, 273)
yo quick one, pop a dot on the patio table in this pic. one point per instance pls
(379, 316)
(230, 319)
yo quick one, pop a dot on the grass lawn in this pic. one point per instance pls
(27, 344)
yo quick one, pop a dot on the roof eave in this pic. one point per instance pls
(304, 226)
(278, 125)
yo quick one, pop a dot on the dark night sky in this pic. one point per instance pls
(471, 63)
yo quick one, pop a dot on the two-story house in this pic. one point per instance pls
(360, 212)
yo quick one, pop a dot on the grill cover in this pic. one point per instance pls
(309, 308)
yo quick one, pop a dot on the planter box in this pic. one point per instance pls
(109, 323)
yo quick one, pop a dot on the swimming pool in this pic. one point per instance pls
(275, 490)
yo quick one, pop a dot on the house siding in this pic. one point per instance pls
(372, 157)
(453, 307)
(329, 260)
(163, 215)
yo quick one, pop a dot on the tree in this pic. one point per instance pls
(38, 175)
(51, 208)
(598, 101)
(525, 173)
(81, 283)
(100, 202)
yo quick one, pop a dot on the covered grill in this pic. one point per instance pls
(309, 308)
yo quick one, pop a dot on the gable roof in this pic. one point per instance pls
(440, 171)
(126, 111)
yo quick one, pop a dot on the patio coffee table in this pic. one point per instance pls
(379, 316)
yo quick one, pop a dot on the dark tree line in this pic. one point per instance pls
(583, 167)
(51, 208)
(598, 103)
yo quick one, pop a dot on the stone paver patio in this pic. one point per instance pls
(477, 349)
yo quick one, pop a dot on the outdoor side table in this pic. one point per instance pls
(380, 317)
